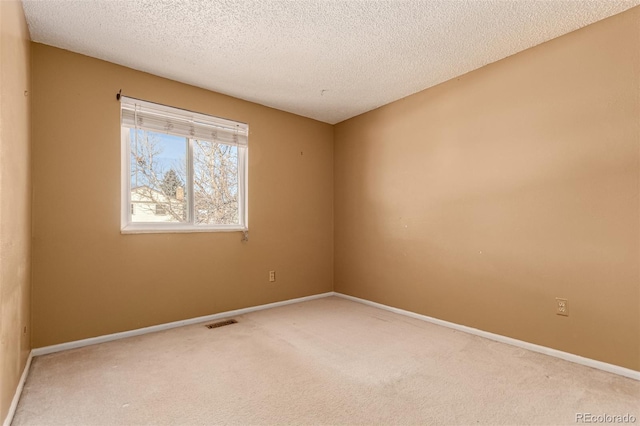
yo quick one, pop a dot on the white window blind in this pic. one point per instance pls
(163, 119)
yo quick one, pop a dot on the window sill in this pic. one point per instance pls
(177, 229)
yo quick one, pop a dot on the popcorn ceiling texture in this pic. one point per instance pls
(328, 60)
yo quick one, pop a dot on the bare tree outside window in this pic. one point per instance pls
(215, 183)
(159, 179)
(158, 166)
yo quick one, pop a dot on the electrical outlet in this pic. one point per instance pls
(562, 307)
(272, 276)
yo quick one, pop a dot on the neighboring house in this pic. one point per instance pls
(150, 205)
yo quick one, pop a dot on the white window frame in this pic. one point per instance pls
(127, 225)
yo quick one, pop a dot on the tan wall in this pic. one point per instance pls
(482, 199)
(15, 199)
(90, 280)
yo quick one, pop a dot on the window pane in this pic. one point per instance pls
(215, 183)
(158, 176)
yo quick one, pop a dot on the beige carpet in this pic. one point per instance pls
(327, 361)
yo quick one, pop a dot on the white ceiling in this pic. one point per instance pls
(325, 59)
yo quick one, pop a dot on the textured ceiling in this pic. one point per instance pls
(325, 59)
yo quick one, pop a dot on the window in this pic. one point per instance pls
(181, 171)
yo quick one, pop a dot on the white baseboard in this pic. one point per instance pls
(611, 368)
(154, 328)
(16, 396)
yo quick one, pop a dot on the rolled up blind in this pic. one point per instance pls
(178, 122)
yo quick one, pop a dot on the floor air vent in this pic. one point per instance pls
(221, 323)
